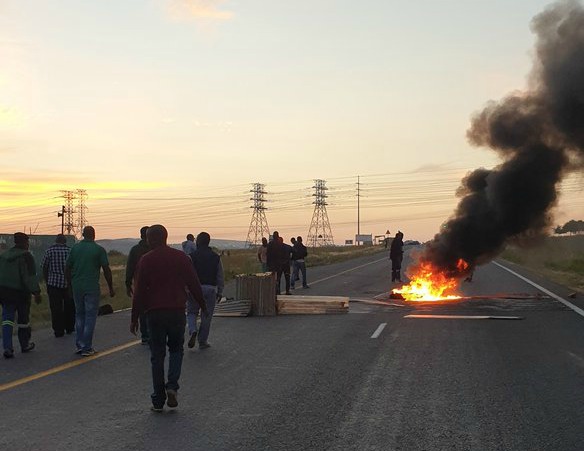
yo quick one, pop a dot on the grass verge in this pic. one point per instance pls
(560, 259)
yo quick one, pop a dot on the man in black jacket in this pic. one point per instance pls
(133, 258)
(396, 255)
(279, 260)
(299, 253)
(210, 271)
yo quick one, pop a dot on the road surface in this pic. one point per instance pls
(369, 380)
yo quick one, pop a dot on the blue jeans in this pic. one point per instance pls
(9, 311)
(166, 328)
(86, 307)
(299, 267)
(210, 296)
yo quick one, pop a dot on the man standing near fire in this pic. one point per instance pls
(396, 255)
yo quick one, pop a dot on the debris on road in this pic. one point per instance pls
(312, 305)
(231, 307)
(260, 289)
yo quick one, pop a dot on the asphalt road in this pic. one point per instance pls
(323, 382)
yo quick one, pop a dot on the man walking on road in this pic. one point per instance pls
(17, 282)
(161, 278)
(60, 301)
(82, 271)
(133, 257)
(209, 269)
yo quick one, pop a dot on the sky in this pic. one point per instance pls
(166, 111)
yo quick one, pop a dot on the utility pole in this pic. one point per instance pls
(320, 233)
(69, 224)
(258, 226)
(61, 214)
(81, 208)
(358, 206)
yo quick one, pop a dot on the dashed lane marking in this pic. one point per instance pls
(578, 310)
(378, 331)
(66, 366)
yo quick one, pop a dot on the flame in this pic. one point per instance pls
(431, 284)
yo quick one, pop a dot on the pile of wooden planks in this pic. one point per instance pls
(312, 305)
(231, 307)
(260, 289)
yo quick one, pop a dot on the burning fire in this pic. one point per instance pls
(431, 284)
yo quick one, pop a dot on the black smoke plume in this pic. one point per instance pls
(539, 135)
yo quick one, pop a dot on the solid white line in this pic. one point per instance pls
(346, 271)
(378, 331)
(578, 310)
(461, 317)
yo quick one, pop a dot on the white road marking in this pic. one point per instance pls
(579, 360)
(578, 310)
(348, 270)
(461, 317)
(378, 331)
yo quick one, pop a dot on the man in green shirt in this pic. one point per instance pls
(82, 270)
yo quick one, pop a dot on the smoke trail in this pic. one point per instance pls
(540, 136)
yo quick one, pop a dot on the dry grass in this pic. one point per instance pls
(560, 259)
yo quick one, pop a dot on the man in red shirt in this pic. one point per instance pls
(160, 281)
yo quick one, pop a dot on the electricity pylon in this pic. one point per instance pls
(320, 233)
(258, 227)
(68, 211)
(81, 208)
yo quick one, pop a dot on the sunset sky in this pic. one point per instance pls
(166, 111)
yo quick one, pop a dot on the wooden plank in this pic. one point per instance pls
(298, 307)
(282, 297)
(312, 312)
(230, 314)
(312, 305)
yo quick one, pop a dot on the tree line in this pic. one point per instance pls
(571, 227)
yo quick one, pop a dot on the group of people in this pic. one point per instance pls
(72, 278)
(158, 278)
(277, 257)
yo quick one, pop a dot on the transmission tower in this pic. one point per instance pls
(320, 233)
(68, 211)
(81, 209)
(258, 227)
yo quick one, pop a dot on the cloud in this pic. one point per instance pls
(199, 10)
